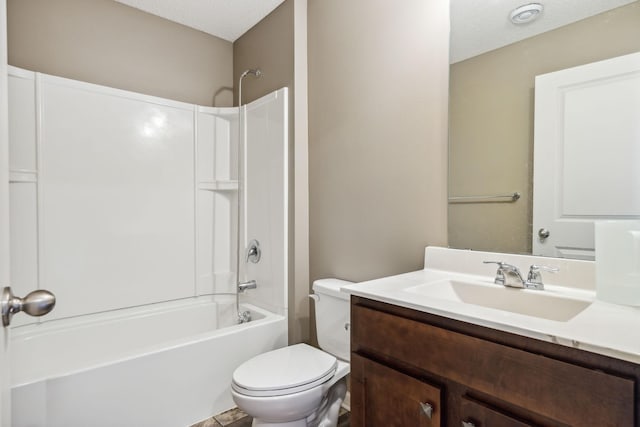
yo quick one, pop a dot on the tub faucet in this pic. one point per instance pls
(250, 284)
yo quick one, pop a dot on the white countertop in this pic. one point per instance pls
(603, 328)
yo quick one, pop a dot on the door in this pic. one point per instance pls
(586, 151)
(5, 416)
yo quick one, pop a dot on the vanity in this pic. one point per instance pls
(447, 346)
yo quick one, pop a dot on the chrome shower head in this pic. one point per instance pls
(256, 72)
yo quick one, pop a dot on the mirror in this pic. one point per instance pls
(491, 109)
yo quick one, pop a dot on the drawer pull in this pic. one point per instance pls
(427, 408)
(468, 424)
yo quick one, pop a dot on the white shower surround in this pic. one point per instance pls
(153, 235)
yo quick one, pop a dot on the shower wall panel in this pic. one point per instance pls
(116, 194)
(118, 199)
(266, 198)
(217, 199)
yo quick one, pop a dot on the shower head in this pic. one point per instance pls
(256, 72)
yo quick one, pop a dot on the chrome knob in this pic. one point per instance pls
(427, 409)
(543, 234)
(36, 303)
(254, 252)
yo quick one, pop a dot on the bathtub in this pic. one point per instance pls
(167, 364)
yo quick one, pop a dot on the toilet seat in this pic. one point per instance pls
(284, 371)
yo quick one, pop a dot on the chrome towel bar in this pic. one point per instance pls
(508, 198)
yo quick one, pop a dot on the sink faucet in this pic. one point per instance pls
(509, 275)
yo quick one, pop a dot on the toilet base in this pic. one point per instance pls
(298, 423)
(325, 416)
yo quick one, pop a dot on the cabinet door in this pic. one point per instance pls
(382, 396)
(476, 414)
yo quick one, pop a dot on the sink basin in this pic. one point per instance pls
(533, 303)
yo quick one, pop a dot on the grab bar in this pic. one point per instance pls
(508, 198)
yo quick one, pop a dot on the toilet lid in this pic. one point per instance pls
(286, 368)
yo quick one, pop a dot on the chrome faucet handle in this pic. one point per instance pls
(499, 280)
(534, 279)
(507, 275)
(253, 252)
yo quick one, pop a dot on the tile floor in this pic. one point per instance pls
(236, 418)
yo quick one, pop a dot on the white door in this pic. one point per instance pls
(5, 415)
(586, 153)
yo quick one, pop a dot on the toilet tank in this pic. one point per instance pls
(332, 317)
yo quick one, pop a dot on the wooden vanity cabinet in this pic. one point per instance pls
(412, 368)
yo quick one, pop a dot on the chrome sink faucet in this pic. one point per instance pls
(509, 275)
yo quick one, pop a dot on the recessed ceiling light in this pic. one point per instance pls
(525, 14)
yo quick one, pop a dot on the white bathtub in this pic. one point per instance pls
(167, 365)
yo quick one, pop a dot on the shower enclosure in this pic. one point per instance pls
(125, 206)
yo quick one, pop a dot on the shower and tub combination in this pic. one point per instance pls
(143, 216)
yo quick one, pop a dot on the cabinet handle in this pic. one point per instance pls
(468, 424)
(427, 408)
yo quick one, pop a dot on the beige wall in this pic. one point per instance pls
(378, 88)
(107, 43)
(491, 123)
(270, 46)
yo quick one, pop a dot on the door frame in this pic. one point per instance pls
(5, 392)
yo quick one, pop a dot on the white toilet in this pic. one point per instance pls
(299, 385)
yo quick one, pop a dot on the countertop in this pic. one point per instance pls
(604, 328)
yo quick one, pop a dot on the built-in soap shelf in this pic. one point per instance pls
(218, 186)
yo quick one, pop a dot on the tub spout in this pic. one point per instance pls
(251, 284)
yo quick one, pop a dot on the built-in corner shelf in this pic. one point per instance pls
(219, 186)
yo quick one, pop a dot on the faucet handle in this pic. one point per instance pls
(499, 280)
(503, 266)
(535, 277)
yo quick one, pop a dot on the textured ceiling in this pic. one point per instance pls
(227, 19)
(478, 26)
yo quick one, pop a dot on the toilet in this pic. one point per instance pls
(299, 385)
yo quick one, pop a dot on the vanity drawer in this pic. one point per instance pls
(560, 391)
(476, 414)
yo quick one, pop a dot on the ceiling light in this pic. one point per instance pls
(525, 14)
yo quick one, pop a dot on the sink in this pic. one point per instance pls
(541, 304)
